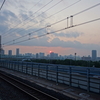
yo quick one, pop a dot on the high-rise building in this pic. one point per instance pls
(52, 54)
(41, 55)
(94, 55)
(2, 52)
(17, 51)
(37, 55)
(10, 52)
(0, 45)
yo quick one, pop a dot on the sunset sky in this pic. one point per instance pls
(18, 18)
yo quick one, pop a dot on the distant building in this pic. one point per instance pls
(86, 58)
(61, 57)
(28, 54)
(17, 51)
(52, 54)
(56, 55)
(98, 58)
(10, 52)
(70, 57)
(48, 55)
(41, 55)
(37, 55)
(94, 55)
(2, 52)
(0, 44)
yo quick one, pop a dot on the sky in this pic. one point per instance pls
(20, 20)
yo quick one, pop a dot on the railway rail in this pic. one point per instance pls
(34, 93)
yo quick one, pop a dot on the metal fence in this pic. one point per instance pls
(82, 77)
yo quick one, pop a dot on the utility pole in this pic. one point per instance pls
(0, 47)
(75, 58)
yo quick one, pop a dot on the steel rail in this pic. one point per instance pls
(18, 84)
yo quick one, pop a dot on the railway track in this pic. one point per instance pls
(34, 93)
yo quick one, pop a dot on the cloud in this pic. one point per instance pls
(23, 16)
(59, 43)
(6, 18)
(54, 42)
(18, 35)
(69, 34)
(8, 14)
(11, 21)
(3, 19)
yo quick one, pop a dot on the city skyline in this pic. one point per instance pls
(17, 51)
(53, 55)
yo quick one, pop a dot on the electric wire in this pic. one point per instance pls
(86, 9)
(19, 15)
(38, 16)
(58, 11)
(50, 16)
(2, 4)
(56, 31)
(28, 17)
(81, 11)
(52, 24)
(35, 31)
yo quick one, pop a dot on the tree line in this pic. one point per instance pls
(69, 62)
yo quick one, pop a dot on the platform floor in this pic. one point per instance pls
(72, 92)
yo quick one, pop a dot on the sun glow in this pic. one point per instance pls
(50, 51)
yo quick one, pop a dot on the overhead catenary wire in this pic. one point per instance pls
(54, 13)
(86, 9)
(53, 23)
(2, 4)
(47, 18)
(78, 13)
(19, 15)
(35, 31)
(39, 15)
(55, 31)
(28, 17)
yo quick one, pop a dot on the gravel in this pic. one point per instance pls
(8, 92)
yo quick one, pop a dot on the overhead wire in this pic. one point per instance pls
(19, 15)
(30, 16)
(39, 15)
(86, 9)
(35, 31)
(52, 24)
(2, 4)
(53, 15)
(60, 10)
(55, 31)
